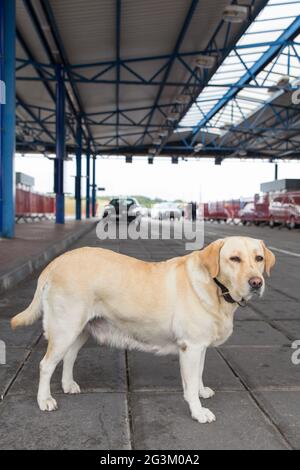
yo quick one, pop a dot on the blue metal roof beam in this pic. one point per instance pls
(34, 117)
(39, 71)
(31, 58)
(179, 55)
(45, 5)
(47, 49)
(198, 84)
(118, 48)
(289, 34)
(254, 130)
(180, 39)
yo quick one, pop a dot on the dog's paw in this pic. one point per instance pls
(71, 387)
(47, 404)
(204, 415)
(206, 392)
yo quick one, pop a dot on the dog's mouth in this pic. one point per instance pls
(243, 298)
(255, 293)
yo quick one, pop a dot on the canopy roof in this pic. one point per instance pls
(133, 81)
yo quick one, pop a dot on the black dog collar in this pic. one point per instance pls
(226, 295)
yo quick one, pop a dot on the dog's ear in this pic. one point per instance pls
(269, 258)
(210, 257)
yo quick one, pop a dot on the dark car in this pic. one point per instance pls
(123, 209)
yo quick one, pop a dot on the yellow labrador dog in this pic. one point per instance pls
(182, 305)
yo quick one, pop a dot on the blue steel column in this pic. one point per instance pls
(94, 188)
(78, 169)
(88, 155)
(60, 146)
(7, 117)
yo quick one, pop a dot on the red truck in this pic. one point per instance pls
(280, 204)
(284, 205)
(222, 210)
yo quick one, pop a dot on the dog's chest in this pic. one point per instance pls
(224, 328)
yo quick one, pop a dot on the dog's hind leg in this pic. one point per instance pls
(68, 383)
(61, 338)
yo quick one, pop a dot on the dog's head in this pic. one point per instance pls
(239, 264)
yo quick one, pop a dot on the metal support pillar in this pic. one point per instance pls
(78, 169)
(94, 188)
(88, 199)
(60, 147)
(7, 116)
(276, 171)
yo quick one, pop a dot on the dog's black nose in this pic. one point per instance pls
(255, 282)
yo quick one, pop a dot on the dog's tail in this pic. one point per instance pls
(34, 311)
(31, 313)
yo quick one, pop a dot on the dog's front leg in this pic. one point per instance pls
(190, 361)
(204, 392)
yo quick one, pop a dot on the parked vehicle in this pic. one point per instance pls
(222, 210)
(247, 213)
(279, 204)
(256, 212)
(33, 206)
(165, 211)
(123, 209)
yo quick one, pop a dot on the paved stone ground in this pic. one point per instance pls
(31, 239)
(134, 400)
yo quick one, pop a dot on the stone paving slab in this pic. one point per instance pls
(96, 369)
(284, 408)
(162, 421)
(264, 367)
(256, 333)
(34, 246)
(20, 338)
(149, 372)
(15, 357)
(290, 288)
(87, 421)
(17, 299)
(247, 313)
(278, 309)
(291, 327)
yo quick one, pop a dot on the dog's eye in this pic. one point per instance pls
(259, 259)
(236, 259)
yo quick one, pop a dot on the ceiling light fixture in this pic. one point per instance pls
(173, 117)
(235, 13)
(163, 133)
(205, 61)
(183, 99)
(198, 147)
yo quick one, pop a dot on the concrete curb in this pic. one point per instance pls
(18, 274)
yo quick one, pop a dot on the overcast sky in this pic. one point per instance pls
(189, 180)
